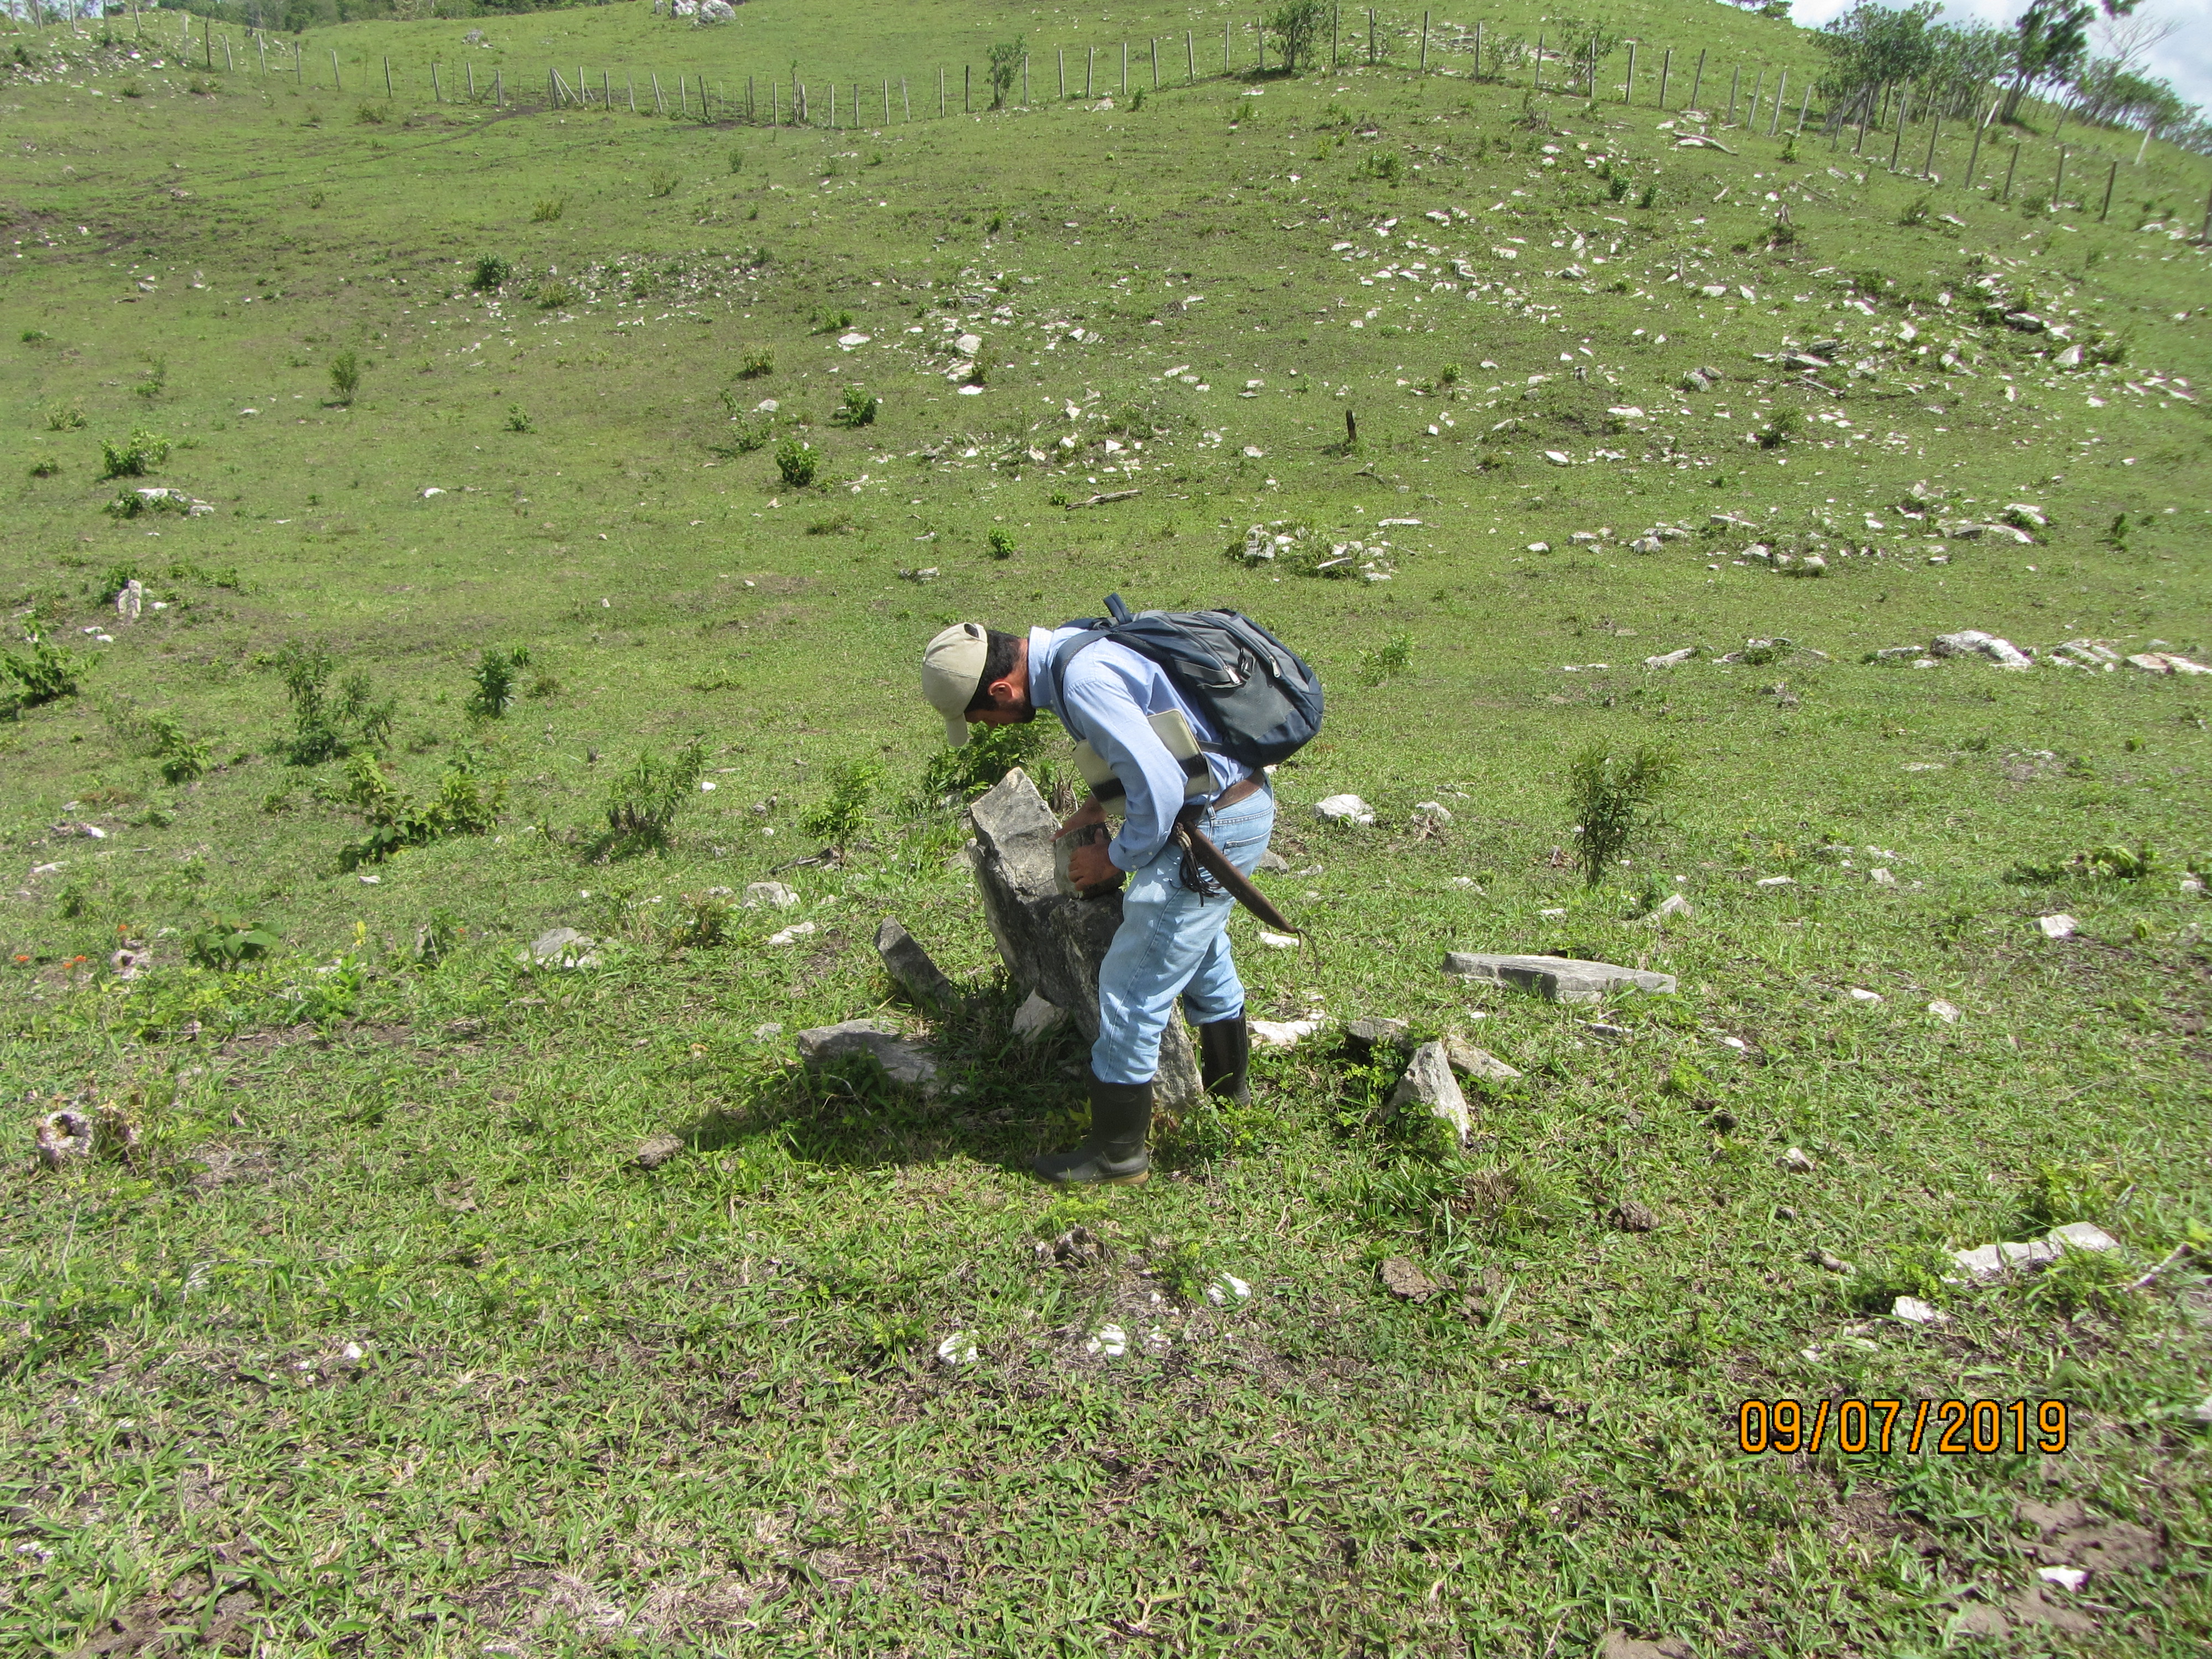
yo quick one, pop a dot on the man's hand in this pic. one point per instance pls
(1082, 818)
(1088, 866)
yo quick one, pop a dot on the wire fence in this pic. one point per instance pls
(1581, 67)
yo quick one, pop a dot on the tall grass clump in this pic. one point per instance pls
(1614, 799)
(329, 724)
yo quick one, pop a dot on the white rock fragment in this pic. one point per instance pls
(2067, 1578)
(1911, 1311)
(791, 934)
(967, 345)
(2058, 927)
(1225, 1288)
(1343, 809)
(560, 947)
(1777, 881)
(1881, 877)
(770, 894)
(1282, 1033)
(1276, 941)
(958, 1349)
(1037, 1018)
(1860, 993)
(1797, 1160)
(1671, 659)
(1108, 1341)
(1429, 1083)
(1948, 1012)
(1972, 641)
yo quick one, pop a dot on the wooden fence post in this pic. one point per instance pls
(1370, 37)
(1537, 85)
(905, 100)
(1335, 18)
(1090, 71)
(387, 78)
(1190, 54)
(470, 69)
(1628, 93)
(940, 91)
(498, 87)
(436, 97)
(2059, 185)
(1781, 91)
(1062, 54)
(1697, 80)
(1803, 105)
(334, 84)
(1904, 108)
(1935, 126)
(660, 104)
(2011, 167)
(1424, 43)
(2111, 179)
(1125, 69)
(1156, 63)
(1666, 66)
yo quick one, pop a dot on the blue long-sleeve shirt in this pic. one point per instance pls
(1111, 693)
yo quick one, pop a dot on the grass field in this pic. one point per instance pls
(364, 1330)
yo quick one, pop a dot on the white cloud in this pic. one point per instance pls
(2185, 59)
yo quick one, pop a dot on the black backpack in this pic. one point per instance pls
(1258, 694)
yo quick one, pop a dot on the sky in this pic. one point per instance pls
(2185, 59)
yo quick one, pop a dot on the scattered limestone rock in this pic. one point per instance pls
(1282, 1034)
(792, 934)
(1860, 993)
(1949, 1012)
(1373, 1032)
(1630, 1217)
(901, 1061)
(1272, 863)
(1343, 809)
(910, 968)
(1560, 979)
(1913, 1311)
(2060, 925)
(64, 1137)
(1881, 877)
(767, 894)
(1435, 810)
(1037, 1018)
(1668, 909)
(656, 1150)
(1671, 659)
(1986, 1263)
(1797, 1160)
(1972, 641)
(1429, 1082)
(560, 947)
(1478, 1064)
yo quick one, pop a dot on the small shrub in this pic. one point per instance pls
(1780, 429)
(796, 463)
(316, 198)
(737, 161)
(1387, 167)
(548, 210)
(1614, 797)
(143, 452)
(1387, 662)
(839, 818)
(1131, 421)
(2057, 1193)
(858, 409)
(156, 381)
(701, 920)
(1916, 214)
(1650, 198)
(1918, 1272)
(554, 293)
(643, 801)
(1617, 187)
(462, 807)
(327, 725)
(1136, 103)
(491, 273)
(662, 184)
(1005, 63)
(226, 942)
(182, 757)
(1448, 375)
(989, 754)
(494, 678)
(755, 364)
(44, 467)
(518, 419)
(832, 322)
(346, 370)
(999, 543)
(46, 673)
(63, 417)
(746, 434)
(369, 115)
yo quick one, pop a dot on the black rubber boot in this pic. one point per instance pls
(1224, 1058)
(1114, 1152)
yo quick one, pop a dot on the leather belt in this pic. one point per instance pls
(1243, 789)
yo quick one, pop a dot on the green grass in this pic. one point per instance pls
(698, 1408)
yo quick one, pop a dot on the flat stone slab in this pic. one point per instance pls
(1560, 979)
(901, 1061)
(1986, 1263)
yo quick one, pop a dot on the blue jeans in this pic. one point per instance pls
(1173, 942)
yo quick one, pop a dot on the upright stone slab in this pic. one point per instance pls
(1051, 944)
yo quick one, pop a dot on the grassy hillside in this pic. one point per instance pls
(364, 1329)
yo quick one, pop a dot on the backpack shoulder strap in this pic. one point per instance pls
(1065, 654)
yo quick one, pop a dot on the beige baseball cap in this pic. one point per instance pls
(952, 669)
